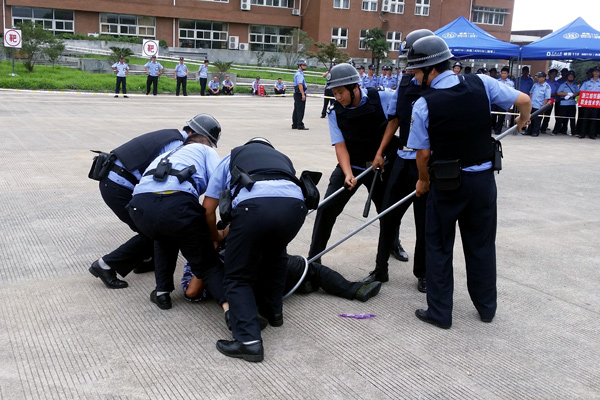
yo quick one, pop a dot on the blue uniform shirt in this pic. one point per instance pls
(507, 82)
(591, 85)
(391, 112)
(228, 84)
(539, 93)
(334, 130)
(553, 86)
(501, 95)
(203, 157)
(214, 85)
(567, 87)
(299, 79)
(121, 68)
(388, 82)
(255, 85)
(118, 179)
(370, 82)
(181, 70)
(203, 71)
(526, 84)
(221, 178)
(279, 86)
(154, 67)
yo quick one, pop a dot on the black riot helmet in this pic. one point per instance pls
(342, 75)
(457, 64)
(206, 125)
(411, 38)
(427, 52)
(301, 61)
(260, 140)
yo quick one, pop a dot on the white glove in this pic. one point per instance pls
(567, 97)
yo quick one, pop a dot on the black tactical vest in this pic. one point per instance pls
(139, 152)
(459, 122)
(261, 159)
(408, 93)
(362, 128)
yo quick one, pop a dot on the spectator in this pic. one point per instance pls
(568, 90)
(540, 96)
(213, 87)
(498, 119)
(279, 87)
(467, 70)
(228, 86)
(525, 82)
(494, 73)
(554, 84)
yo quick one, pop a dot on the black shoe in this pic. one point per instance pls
(399, 253)
(146, 266)
(276, 320)
(302, 129)
(107, 276)
(322, 115)
(163, 301)
(116, 95)
(422, 285)
(227, 321)
(488, 320)
(379, 276)
(307, 287)
(368, 290)
(535, 134)
(294, 127)
(593, 137)
(249, 352)
(424, 316)
(125, 96)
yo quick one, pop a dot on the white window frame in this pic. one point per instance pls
(369, 5)
(362, 36)
(268, 37)
(394, 38)
(341, 4)
(217, 38)
(50, 24)
(121, 28)
(273, 3)
(422, 7)
(489, 15)
(339, 38)
(396, 6)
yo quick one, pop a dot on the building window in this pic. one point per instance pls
(422, 7)
(345, 4)
(369, 5)
(395, 40)
(269, 38)
(57, 21)
(339, 36)
(202, 34)
(489, 15)
(127, 25)
(393, 6)
(273, 3)
(362, 43)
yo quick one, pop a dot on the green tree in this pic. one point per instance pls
(299, 47)
(35, 39)
(580, 67)
(379, 46)
(222, 66)
(118, 52)
(328, 53)
(54, 49)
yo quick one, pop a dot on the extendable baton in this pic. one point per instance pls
(514, 128)
(340, 190)
(368, 203)
(363, 226)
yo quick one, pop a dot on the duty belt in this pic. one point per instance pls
(122, 172)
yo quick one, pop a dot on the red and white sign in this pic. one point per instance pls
(150, 47)
(589, 99)
(13, 38)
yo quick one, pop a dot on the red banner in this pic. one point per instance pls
(589, 99)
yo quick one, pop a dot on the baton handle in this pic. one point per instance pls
(340, 190)
(368, 203)
(514, 128)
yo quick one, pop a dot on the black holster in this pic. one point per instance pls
(225, 207)
(497, 160)
(101, 165)
(308, 184)
(445, 174)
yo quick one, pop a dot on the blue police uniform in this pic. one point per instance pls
(203, 77)
(169, 213)
(213, 85)
(568, 107)
(181, 73)
(362, 129)
(255, 86)
(279, 88)
(117, 189)
(370, 82)
(227, 87)
(539, 93)
(122, 69)
(264, 219)
(587, 125)
(460, 130)
(299, 104)
(525, 84)
(498, 119)
(553, 90)
(154, 70)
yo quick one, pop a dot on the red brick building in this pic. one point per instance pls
(259, 24)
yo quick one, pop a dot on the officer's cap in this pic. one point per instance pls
(181, 58)
(571, 73)
(360, 67)
(258, 77)
(372, 66)
(153, 56)
(596, 68)
(121, 56)
(540, 74)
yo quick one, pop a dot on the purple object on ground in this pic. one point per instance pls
(358, 316)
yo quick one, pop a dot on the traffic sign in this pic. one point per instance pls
(13, 38)
(150, 47)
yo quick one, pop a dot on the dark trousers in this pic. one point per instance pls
(227, 90)
(181, 82)
(327, 214)
(320, 276)
(534, 127)
(256, 260)
(587, 125)
(152, 81)
(568, 114)
(203, 86)
(122, 82)
(497, 119)
(546, 119)
(402, 181)
(133, 252)
(298, 113)
(177, 222)
(277, 91)
(473, 205)
(326, 102)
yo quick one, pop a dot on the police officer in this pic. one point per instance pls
(568, 106)
(370, 80)
(356, 126)
(165, 208)
(122, 69)
(154, 69)
(203, 77)
(213, 86)
(403, 176)
(129, 160)
(540, 95)
(267, 212)
(587, 125)
(299, 97)
(361, 74)
(554, 84)
(228, 86)
(181, 73)
(450, 131)
(498, 119)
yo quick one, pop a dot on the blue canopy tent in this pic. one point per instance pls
(576, 41)
(467, 40)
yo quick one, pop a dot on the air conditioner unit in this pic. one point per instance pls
(245, 5)
(295, 11)
(385, 6)
(94, 34)
(244, 47)
(233, 42)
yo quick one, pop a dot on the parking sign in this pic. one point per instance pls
(12, 38)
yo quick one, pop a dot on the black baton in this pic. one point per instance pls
(368, 203)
